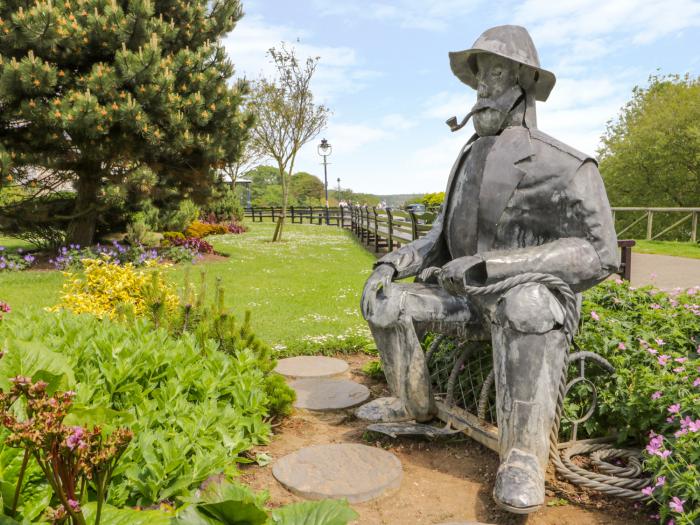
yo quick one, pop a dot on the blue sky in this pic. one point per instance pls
(384, 72)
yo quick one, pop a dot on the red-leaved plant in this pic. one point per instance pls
(71, 457)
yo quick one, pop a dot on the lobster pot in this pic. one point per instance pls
(459, 373)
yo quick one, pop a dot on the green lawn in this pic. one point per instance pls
(12, 243)
(677, 249)
(308, 286)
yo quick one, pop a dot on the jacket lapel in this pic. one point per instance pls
(501, 176)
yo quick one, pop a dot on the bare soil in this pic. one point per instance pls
(444, 480)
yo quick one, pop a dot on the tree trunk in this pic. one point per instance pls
(277, 236)
(81, 229)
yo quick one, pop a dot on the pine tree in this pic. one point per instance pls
(91, 90)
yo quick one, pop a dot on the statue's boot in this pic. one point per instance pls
(403, 362)
(529, 351)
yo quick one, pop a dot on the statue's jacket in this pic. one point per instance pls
(542, 207)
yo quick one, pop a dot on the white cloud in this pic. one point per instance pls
(430, 15)
(339, 70)
(585, 30)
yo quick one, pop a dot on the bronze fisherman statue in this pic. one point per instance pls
(517, 201)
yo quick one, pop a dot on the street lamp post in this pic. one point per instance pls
(324, 150)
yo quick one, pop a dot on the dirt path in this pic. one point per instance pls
(445, 480)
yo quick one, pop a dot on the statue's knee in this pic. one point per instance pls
(530, 308)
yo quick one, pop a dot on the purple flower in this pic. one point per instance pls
(652, 351)
(680, 359)
(674, 409)
(75, 440)
(74, 505)
(655, 306)
(660, 481)
(621, 346)
(696, 382)
(647, 491)
(665, 454)
(660, 342)
(657, 394)
(679, 370)
(595, 316)
(663, 359)
(676, 504)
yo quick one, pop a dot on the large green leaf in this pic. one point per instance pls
(4, 520)
(233, 504)
(327, 512)
(35, 360)
(105, 417)
(114, 516)
(191, 516)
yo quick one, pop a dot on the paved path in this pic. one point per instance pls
(665, 271)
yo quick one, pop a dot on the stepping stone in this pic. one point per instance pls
(328, 394)
(311, 366)
(348, 470)
(464, 523)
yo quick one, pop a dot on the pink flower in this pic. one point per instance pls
(657, 394)
(619, 281)
(652, 351)
(655, 306)
(660, 342)
(696, 382)
(595, 316)
(660, 481)
(676, 504)
(670, 419)
(647, 491)
(621, 346)
(674, 409)
(680, 359)
(663, 359)
(74, 505)
(665, 454)
(679, 370)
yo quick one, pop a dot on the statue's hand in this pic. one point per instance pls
(465, 271)
(430, 274)
(380, 279)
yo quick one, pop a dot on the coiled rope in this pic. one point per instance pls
(615, 481)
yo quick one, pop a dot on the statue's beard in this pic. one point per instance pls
(489, 121)
(490, 115)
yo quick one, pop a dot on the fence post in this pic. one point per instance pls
(327, 220)
(414, 225)
(650, 224)
(694, 228)
(272, 213)
(291, 209)
(390, 226)
(341, 224)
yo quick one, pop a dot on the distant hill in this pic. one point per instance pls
(399, 199)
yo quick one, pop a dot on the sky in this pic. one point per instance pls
(384, 72)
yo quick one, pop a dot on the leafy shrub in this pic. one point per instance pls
(169, 236)
(194, 244)
(178, 254)
(199, 229)
(12, 262)
(179, 218)
(192, 408)
(106, 288)
(71, 257)
(652, 338)
(236, 227)
(223, 205)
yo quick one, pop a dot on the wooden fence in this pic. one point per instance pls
(635, 222)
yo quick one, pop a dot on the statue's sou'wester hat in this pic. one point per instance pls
(511, 42)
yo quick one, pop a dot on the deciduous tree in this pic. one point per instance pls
(287, 117)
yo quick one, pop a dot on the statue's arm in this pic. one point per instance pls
(408, 260)
(580, 261)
